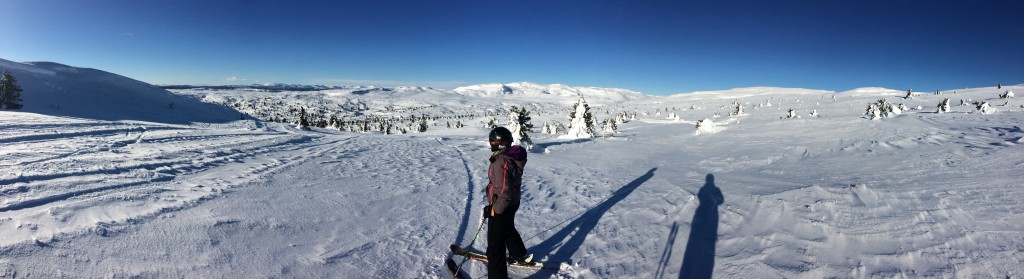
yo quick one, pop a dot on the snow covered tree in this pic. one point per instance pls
(883, 108)
(490, 123)
(1007, 95)
(609, 128)
(422, 126)
(791, 114)
(519, 124)
(944, 106)
(581, 122)
(985, 108)
(706, 126)
(552, 128)
(873, 112)
(910, 95)
(897, 110)
(10, 92)
(673, 116)
(302, 123)
(739, 109)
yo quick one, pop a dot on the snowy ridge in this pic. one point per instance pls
(595, 95)
(739, 93)
(874, 91)
(57, 89)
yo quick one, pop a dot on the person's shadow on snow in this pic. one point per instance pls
(564, 243)
(699, 258)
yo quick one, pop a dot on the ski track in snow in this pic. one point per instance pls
(918, 195)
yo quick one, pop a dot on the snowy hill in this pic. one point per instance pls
(564, 93)
(740, 93)
(56, 89)
(827, 193)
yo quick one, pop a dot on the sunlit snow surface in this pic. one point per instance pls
(834, 195)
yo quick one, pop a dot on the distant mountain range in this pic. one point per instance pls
(57, 89)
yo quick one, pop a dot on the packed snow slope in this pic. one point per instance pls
(56, 89)
(834, 194)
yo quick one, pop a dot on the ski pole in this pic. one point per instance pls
(475, 235)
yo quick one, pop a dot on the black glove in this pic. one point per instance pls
(487, 212)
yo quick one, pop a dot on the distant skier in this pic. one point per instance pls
(503, 190)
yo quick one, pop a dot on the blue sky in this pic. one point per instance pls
(656, 47)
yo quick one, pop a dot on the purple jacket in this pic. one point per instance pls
(506, 177)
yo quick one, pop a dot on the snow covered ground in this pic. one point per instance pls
(920, 194)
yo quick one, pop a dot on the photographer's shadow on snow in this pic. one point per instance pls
(576, 231)
(699, 258)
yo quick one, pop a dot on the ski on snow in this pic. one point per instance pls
(483, 258)
(454, 269)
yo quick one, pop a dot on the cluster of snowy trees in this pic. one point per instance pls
(582, 122)
(884, 109)
(10, 92)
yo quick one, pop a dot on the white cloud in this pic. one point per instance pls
(236, 79)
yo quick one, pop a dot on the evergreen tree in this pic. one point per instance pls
(519, 124)
(944, 106)
(985, 108)
(609, 128)
(10, 92)
(581, 122)
(422, 127)
(303, 123)
(883, 108)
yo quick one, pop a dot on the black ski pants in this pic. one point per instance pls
(502, 235)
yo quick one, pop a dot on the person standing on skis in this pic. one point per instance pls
(505, 176)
